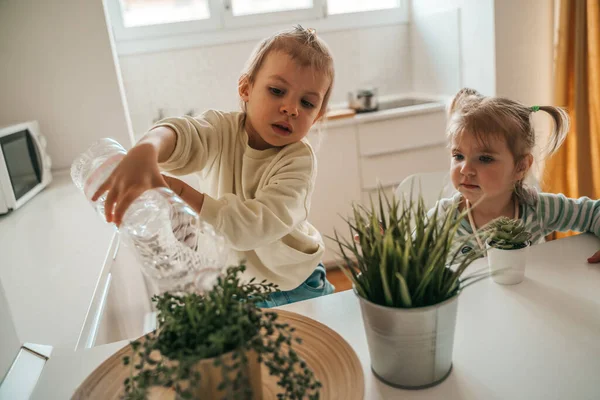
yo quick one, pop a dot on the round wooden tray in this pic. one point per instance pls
(330, 357)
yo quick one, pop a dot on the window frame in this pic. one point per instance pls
(264, 19)
(224, 28)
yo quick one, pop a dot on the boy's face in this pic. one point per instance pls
(477, 169)
(283, 102)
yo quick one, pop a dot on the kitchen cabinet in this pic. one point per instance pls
(402, 133)
(357, 154)
(392, 168)
(127, 290)
(337, 185)
(390, 150)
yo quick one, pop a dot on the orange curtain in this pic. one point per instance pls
(575, 169)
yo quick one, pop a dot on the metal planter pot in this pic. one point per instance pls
(410, 348)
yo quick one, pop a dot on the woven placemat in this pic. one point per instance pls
(330, 357)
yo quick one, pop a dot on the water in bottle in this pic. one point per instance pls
(177, 250)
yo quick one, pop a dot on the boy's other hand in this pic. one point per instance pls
(357, 238)
(595, 258)
(191, 196)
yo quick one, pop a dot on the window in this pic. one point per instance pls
(153, 25)
(351, 6)
(248, 7)
(155, 12)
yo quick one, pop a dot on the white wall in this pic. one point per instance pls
(524, 59)
(524, 49)
(206, 77)
(58, 68)
(477, 41)
(506, 50)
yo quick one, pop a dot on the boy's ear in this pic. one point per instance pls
(321, 113)
(244, 87)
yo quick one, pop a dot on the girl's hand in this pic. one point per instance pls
(136, 173)
(595, 258)
(187, 193)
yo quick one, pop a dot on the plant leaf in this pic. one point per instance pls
(404, 292)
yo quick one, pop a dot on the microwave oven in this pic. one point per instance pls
(24, 165)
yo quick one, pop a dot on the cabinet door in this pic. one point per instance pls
(404, 133)
(337, 185)
(128, 310)
(391, 169)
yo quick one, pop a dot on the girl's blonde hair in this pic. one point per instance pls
(486, 117)
(303, 46)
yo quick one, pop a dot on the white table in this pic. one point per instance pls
(536, 340)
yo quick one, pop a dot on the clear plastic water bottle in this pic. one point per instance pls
(177, 250)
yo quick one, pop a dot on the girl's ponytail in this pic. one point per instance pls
(561, 127)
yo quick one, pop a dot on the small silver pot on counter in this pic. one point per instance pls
(363, 100)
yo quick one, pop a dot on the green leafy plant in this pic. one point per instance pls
(507, 234)
(402, 255)
(194, 327)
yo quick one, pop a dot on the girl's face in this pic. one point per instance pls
(283, 102)
(477, 169)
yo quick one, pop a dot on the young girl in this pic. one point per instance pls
(491, 142)
(257, 166)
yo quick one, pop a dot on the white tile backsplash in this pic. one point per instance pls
(347, 58)
(435, 52)
(206, 77)
(385, 59)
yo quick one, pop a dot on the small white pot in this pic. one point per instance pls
(507, 267)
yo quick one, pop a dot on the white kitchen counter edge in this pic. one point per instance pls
(363, 118)
(89, 329)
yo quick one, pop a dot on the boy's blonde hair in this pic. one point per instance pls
(303, 46)
(486, 117)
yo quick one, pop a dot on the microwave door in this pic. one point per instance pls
(22, 165)
(7, 198)
(3, 197)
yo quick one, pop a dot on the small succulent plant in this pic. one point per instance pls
(507, 234)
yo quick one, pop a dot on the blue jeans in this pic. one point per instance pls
(314, 286)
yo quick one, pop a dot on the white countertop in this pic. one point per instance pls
(51, 253)
(535, 340)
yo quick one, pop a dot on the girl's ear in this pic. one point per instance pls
(524, 166)
(244, 87)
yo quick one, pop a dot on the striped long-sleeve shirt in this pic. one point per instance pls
(546, 213)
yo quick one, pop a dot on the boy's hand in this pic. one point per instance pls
(357, 238)
(187, 193)
(136, 173)
(595, 258)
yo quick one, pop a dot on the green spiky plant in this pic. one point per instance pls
(402, 255)
(193, 327)
(507, 234)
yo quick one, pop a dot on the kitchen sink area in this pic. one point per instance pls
(365, 101)
(406, 102)
(385, 107)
